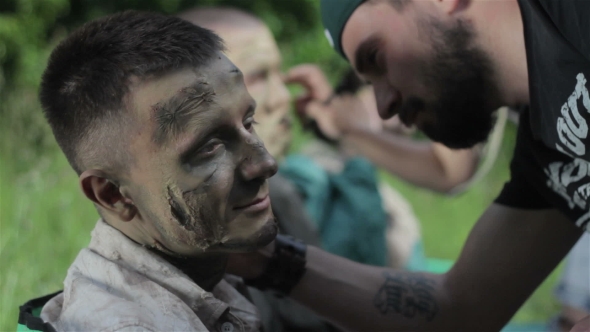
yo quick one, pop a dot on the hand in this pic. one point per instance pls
(582, 326)
(341, 114)
(250, 265)
(317, 91)
(313, 80)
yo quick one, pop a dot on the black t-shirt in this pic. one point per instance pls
(551, 164)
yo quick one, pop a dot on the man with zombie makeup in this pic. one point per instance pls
(445, 66)
(158, 124)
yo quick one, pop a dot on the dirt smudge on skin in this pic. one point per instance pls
(196, 214)
(254, 153)
(177, 211)
(173, 115)
(205, 213)
(190, 232)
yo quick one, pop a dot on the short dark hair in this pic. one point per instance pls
(84, 86)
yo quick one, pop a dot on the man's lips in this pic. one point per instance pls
(258, 204)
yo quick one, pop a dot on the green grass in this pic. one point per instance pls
(44, 222)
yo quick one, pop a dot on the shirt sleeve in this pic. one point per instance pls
(572, 19)
(519, 191)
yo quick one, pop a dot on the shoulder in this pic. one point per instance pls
(99, 312)
(103, 296)
(97, 309)
(571, 19)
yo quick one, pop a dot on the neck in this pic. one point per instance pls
(206, 271)
(500, 27)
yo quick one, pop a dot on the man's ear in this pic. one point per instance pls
(454, 6)
(97, 186)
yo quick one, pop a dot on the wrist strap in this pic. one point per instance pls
(285, 268)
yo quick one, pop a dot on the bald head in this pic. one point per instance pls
(221, 18)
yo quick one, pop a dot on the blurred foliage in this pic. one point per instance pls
(30, 29)
(26, 28)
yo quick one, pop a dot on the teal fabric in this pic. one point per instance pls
(526, 327)
(346, 207)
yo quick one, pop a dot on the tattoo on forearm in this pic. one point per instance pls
(408, 295)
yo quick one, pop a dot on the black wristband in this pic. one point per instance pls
(285, 268)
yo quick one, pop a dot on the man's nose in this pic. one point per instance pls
(257, 163)
(386, 98)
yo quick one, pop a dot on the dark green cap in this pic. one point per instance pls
(335, 14)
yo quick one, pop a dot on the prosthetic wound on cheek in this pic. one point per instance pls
(195, 216)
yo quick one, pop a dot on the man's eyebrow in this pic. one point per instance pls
(194, 143)
(363, 52)
(173, 114)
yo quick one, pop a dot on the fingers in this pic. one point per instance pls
(582, 326)
(312, 79)
(301, 105)
(324, 117)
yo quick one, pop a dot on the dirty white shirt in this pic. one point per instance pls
(117, 285)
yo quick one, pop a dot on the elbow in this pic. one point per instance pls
(450, 181)
(445, 188)
(446, 185)
(454, 169)
(449, 186)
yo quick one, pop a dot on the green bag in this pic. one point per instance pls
(28, 317)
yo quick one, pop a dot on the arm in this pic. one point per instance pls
(354, 122)
(424, 164)
(507, 255)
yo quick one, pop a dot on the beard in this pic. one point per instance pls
(460, 81)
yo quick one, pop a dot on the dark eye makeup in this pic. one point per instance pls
(217, 138)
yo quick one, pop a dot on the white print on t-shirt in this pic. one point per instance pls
(572, 128)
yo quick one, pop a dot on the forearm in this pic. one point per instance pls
(415, 162)
(504, 260)
(359, 297)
